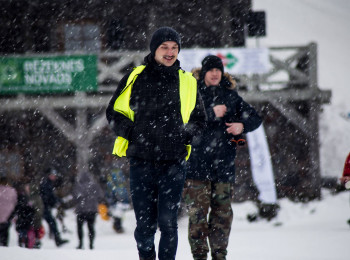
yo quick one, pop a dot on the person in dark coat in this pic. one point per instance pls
(87, 194)
(211, 168)
(24, 216)
(50, 200)
(155, 112)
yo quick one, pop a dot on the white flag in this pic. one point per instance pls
(261, 165)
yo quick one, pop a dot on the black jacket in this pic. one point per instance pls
(213, 154)
(158, 132)
(25, 213)
(47, 193)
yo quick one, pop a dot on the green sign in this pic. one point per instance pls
(54, 74)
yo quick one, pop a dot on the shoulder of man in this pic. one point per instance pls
(122, 84)
(231, 82)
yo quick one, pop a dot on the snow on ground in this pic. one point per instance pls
(309, 231)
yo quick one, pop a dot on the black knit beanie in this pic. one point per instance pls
(211, 62)
(161, 35)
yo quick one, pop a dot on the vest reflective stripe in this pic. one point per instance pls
(121, 105)
(188, 96)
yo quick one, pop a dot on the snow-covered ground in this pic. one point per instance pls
(312, 231)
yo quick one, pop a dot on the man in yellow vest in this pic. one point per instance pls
(155, 112)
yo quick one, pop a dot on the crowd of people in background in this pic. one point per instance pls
(27, 204)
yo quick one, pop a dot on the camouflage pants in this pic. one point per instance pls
(199, 196)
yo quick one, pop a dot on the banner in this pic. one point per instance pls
(48, 74)
(261, 165)
(235, 60)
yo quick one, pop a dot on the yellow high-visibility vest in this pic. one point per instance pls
(188, 96)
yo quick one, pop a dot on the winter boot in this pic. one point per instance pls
(148, 258)
(219, 255)
(37, 244)
(60, 242)
(117, 225)
(80, 246)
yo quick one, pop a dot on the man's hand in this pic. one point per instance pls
(234, 128)
(220, 110)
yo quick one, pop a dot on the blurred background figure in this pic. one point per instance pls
(50, 200)
(8, 201)
(345, 179)
(87, 194)
(24, 217)
(36, 203)
(117, 195)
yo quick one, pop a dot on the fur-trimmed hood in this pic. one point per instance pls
(196, 73)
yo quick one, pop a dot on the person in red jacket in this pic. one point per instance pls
(345, 179)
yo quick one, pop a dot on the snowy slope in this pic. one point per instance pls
(327, 23)
(313, 231)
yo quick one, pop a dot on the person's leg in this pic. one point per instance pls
(220, 220)
(22, 238)
(90, 218)
(50, 221)
(117, 225)
(171, 179)
(37, 244)
(197, 198)
(144, 196)
(53, 226)
(118, 215)
(80, 222)
(4, 233)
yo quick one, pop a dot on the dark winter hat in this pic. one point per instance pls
(52, 171)
(161, 35)
(211, 62)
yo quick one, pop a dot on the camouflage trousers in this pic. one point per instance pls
(216, 227)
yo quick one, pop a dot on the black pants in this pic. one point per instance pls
(88, 217)
(156, 189)
(51, 221)
(4, 233)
